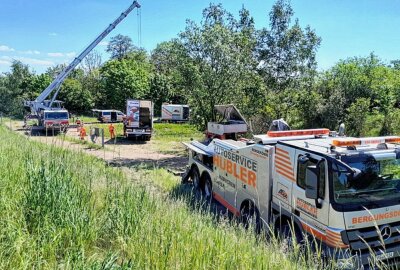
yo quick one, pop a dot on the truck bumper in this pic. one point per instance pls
(138, 135)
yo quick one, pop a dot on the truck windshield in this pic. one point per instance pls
(56, 115)
(371, 180)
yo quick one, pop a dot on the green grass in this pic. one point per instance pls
(168, 138)
(87, 142)
(61, 209)
(68, 210)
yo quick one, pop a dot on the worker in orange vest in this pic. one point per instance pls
(111, 129)
(78, 125)
(82, 133)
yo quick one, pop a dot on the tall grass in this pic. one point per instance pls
(60, 209)
(68, 210)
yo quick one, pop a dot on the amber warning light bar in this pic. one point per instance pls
(365, 141)
(299, 132)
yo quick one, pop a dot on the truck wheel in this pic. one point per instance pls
(207, 188)
(250, 216)
(195, 176)
(290, 234)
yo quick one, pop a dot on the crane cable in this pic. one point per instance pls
(139, 18)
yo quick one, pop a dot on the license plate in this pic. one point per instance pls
(385, 256)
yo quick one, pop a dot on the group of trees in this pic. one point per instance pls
(267, 73)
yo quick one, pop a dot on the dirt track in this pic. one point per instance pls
(121, 153)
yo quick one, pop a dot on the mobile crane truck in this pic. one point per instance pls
(49, 113)
(343, 192)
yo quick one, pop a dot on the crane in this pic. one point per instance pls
(41, 108)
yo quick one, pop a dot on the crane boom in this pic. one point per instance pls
(37, 104)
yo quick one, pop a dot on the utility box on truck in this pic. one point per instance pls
(138, 123)
(175, 113)
(229, 123)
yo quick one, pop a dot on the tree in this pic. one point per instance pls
(13, 89)
(120, 46)
(76, 98)
(92, 62)
(124, 79)
(167, 83)
(286, 52)
(35, 84)
(217, 63)
(356, 116)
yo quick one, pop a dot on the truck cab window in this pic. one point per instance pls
(301, 171)
(301, 174)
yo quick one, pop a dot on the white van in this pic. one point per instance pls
(109, 116)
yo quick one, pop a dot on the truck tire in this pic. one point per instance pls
(195, 176)
(250, 216)
(289, 233)
(206, 188)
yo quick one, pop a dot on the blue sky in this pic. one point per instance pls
(44, 33)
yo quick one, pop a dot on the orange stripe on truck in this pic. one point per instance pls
(226, 204)
(282, 151)
(331, 238)
(282, 169)
(284, 174)
(284, 165)
(283, 160)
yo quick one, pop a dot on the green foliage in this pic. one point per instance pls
(124, 79)
(76, 98)
(356, 116)
(120, 46)
(13, 87)
(62, 209)
(218, 64)
(286, 51)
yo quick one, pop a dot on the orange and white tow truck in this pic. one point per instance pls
(343, 192)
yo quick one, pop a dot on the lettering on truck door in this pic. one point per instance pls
(314, 218)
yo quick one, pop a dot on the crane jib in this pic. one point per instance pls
(61, 77)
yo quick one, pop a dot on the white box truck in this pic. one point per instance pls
(175, 113)
(343, 192)
(138, 123)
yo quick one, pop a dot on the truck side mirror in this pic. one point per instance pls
(312, 184)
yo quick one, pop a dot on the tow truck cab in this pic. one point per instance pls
(342, 192)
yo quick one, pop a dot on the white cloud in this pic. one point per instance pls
(53, 34)
(4, 48)
(70, 54)
(5, 63)
(34, 61)
(56, 54)
(30, 52)
(103, 43)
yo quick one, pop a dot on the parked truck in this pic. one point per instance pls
(138, 123)
(175, 113)
(342, 191)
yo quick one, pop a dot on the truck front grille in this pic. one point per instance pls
(375, 238)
